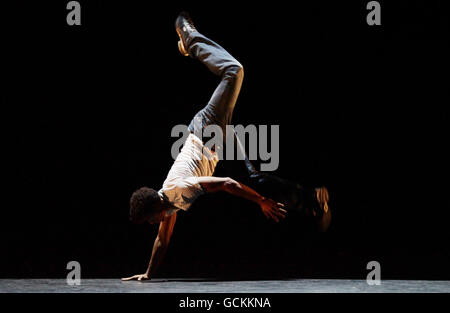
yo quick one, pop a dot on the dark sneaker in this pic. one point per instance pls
(184, 26)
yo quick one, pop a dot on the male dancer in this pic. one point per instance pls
(191, 174)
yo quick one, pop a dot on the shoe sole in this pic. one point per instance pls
(181, 47)
(323, 197)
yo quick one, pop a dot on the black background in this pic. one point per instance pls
(87, 113)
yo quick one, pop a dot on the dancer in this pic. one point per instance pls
(191, 174)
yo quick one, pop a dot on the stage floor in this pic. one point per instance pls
(215, 286)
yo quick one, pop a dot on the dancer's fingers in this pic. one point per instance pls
(130, 278)
(281, 213)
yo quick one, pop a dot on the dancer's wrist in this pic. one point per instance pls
(261, 199)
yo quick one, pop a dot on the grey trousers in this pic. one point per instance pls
(219, 109)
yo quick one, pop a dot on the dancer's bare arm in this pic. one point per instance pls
(270, 208)
(159, 248)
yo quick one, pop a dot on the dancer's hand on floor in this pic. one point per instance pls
(272, 209)
(138, 277)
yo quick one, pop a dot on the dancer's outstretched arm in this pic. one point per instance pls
(270, 208)
(159, 248)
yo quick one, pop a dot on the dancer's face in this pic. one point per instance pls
(156, 217)
(159, 213)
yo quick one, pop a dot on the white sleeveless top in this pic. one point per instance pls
(181, 186)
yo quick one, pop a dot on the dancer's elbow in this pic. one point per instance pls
(229, 184)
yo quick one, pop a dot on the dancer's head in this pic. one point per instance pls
(146, 205)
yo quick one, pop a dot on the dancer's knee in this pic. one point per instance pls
(235, 72)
